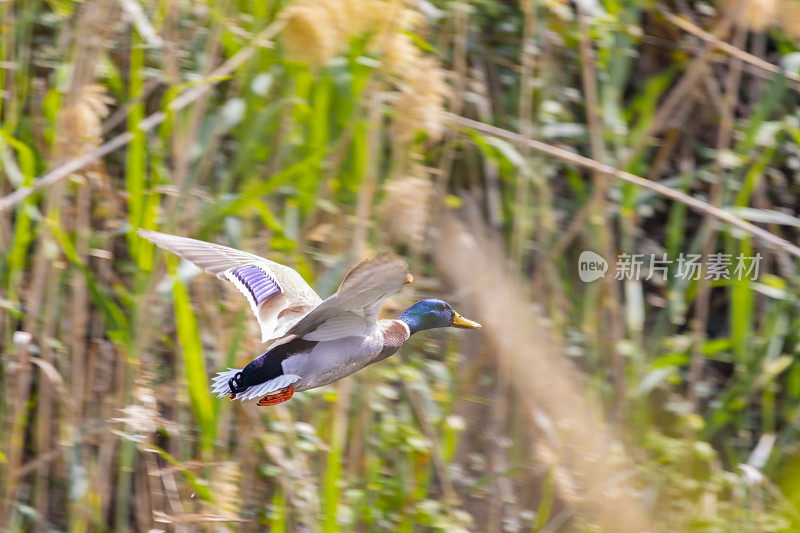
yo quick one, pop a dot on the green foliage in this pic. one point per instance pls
(288, 160)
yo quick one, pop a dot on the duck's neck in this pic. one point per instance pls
(412, 321)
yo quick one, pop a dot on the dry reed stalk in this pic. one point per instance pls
(34, 464)
(483, 108)
(60, 172)
(142, 499)
(154, 486)
(337, 442)
(251, 483)
(96, 19)
(14, 445)
(678, 95)
(521, 223)
(99, 382)
(43, 422)
(173, 495)
(368, 187)
(103, 478)
(498, 462)
(364, 203)
(80, 303)
(422, 85)
(520, 232)
(543, 380)
(598, 217)
(429, 431)
(459, 73)
(80, 131)
(184, 138)
(358, 441)
(664, 154)
(443, 168)
(665, 110)
(610, 172)
(7, 89)
(296, 478)
(225, 488)
(729, 48)
(699, 323)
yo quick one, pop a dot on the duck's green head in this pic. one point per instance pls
(432, 313)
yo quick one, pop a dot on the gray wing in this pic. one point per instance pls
(277, 294)
(353, 309)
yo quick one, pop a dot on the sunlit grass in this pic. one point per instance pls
(287, 156)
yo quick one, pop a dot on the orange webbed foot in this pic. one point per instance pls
(275, 398)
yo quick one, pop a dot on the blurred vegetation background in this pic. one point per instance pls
(315, 132)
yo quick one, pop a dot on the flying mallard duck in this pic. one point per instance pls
(313, 341)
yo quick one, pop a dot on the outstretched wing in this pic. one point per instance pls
(354, 309)
(277, 294)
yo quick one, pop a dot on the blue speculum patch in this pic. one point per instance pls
(259, 283)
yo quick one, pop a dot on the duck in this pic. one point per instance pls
(311, 342)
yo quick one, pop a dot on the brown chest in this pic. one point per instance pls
(394, 336)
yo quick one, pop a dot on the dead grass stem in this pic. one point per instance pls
(544, 382)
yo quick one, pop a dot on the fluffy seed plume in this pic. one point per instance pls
(317, 30)
(756, 15)
(309, 34)
(422, 97)
(405, 209)
(141, 419)
(399, 54)
(82, 119)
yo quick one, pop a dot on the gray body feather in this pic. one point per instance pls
(335, 359)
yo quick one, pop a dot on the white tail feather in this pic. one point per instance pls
(219, 383)
(220, 387)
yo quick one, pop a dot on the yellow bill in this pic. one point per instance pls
(464, 323)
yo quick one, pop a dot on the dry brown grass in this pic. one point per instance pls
(591, 469)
